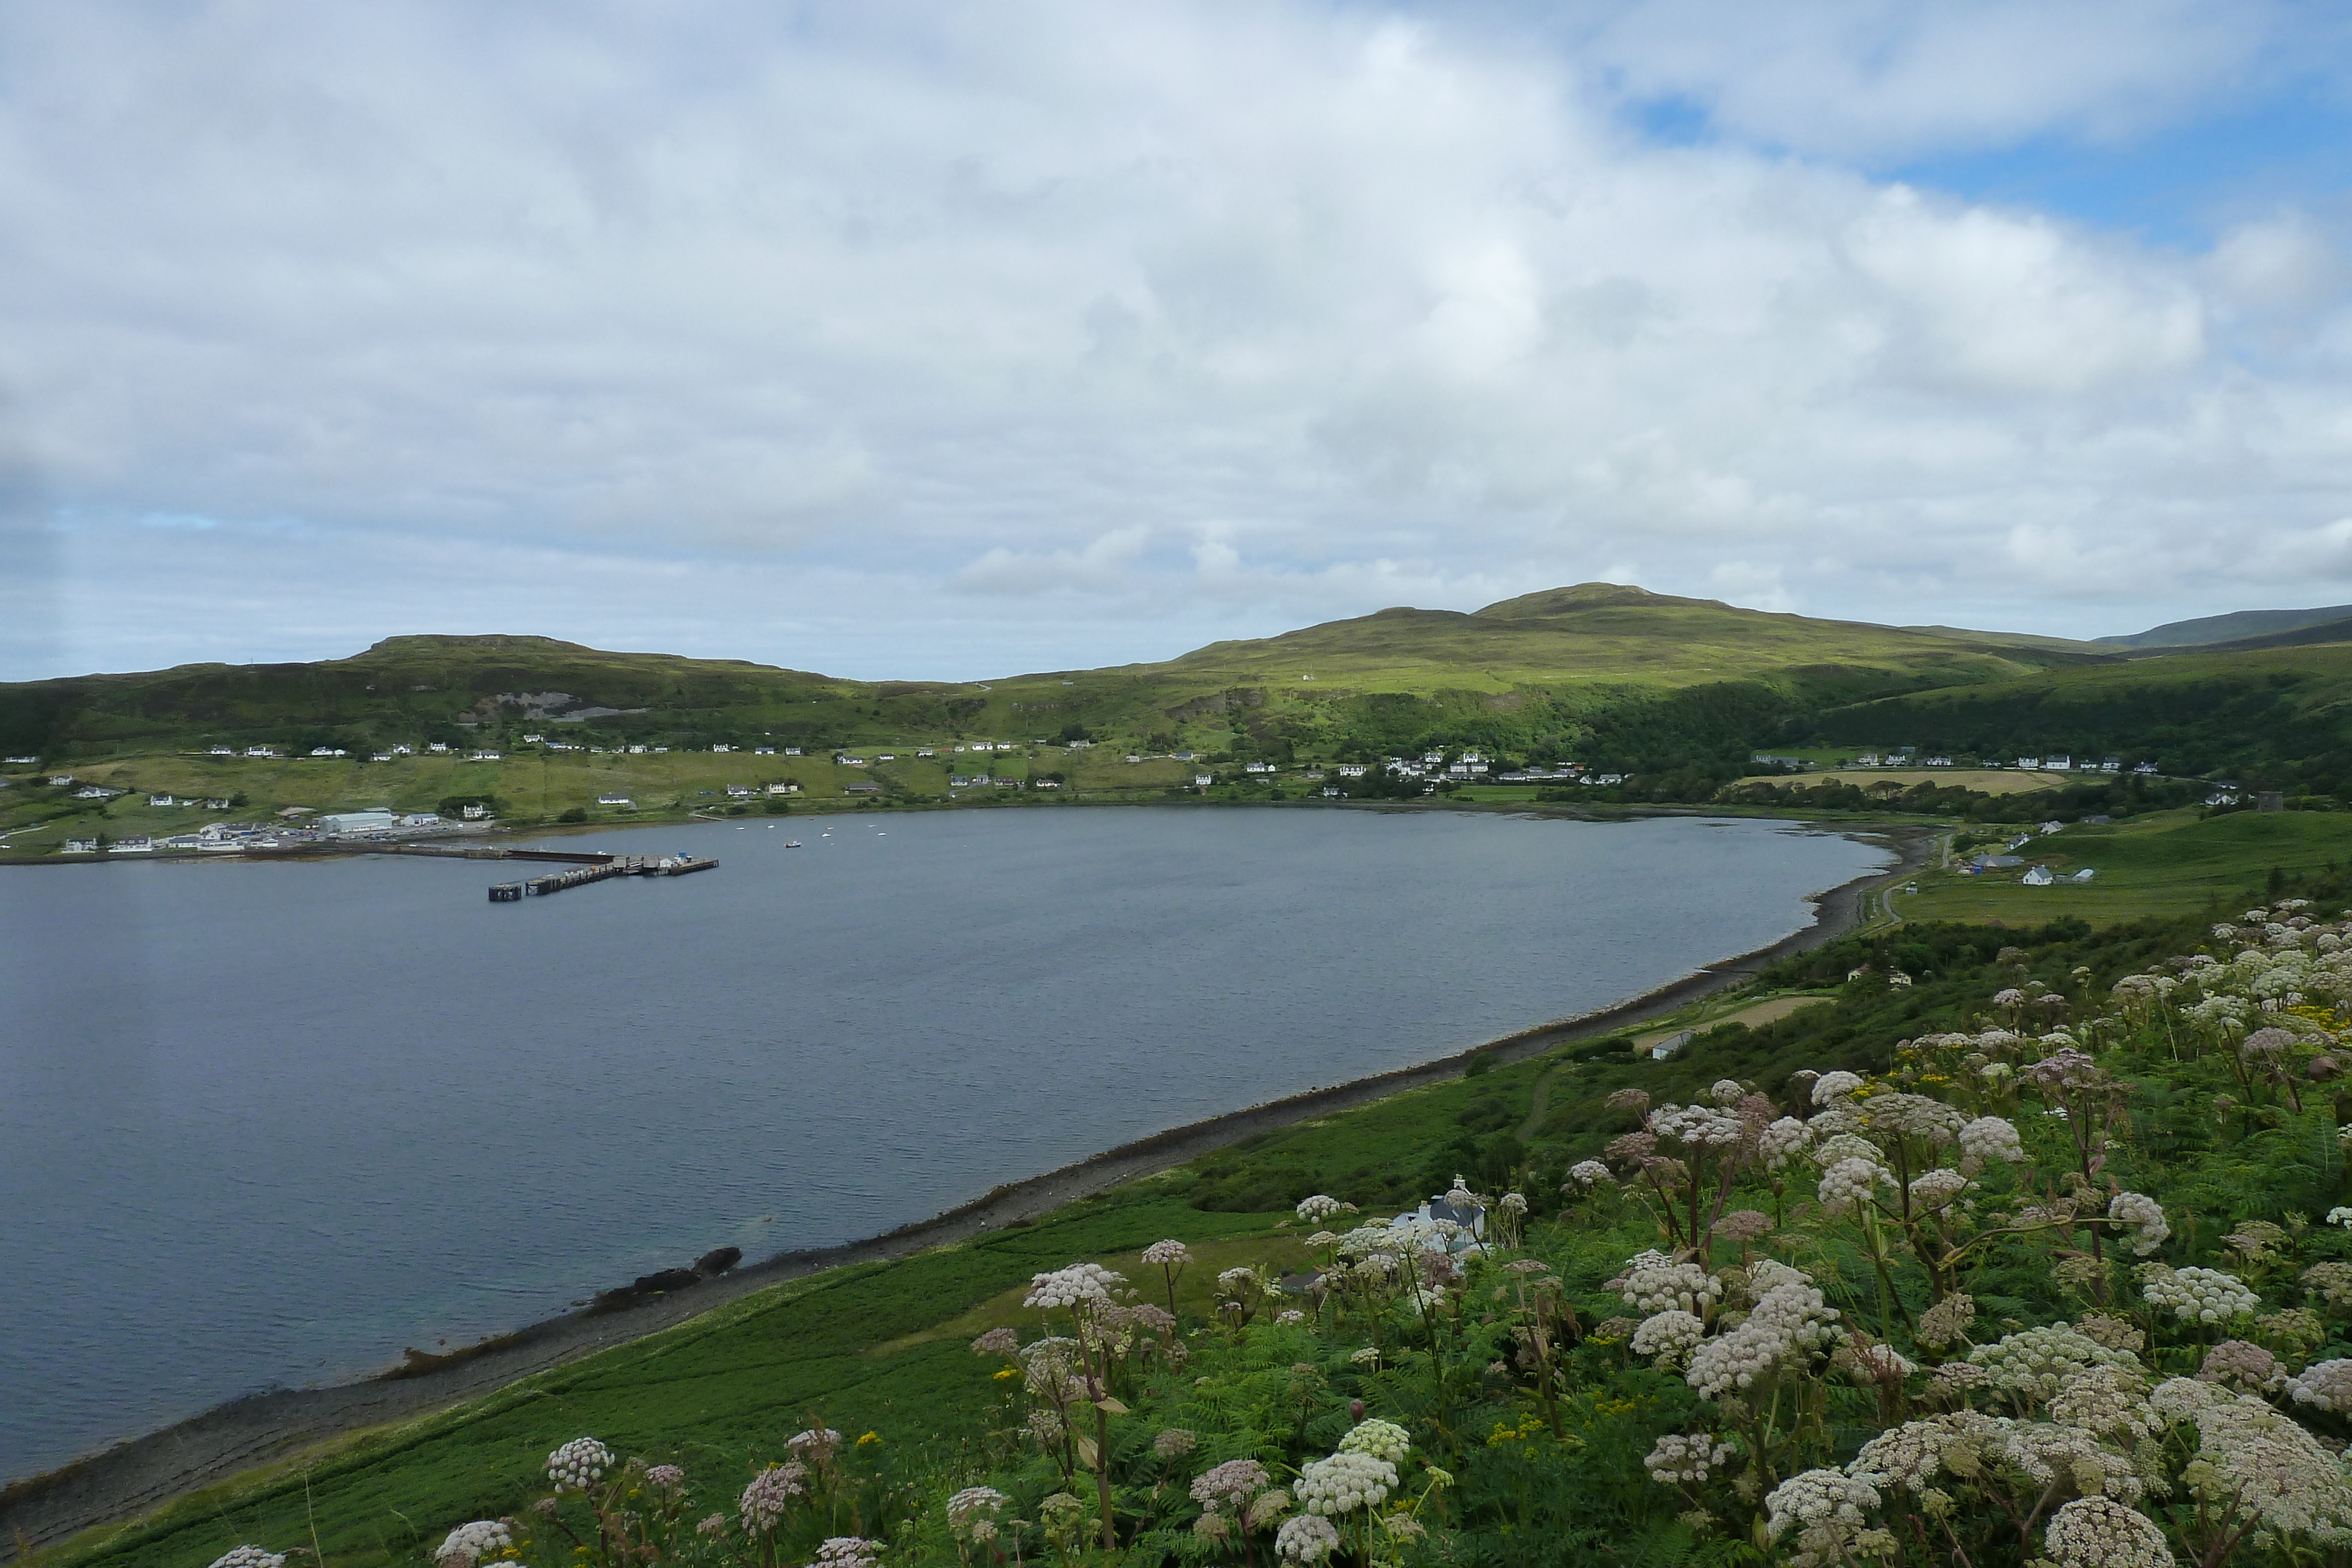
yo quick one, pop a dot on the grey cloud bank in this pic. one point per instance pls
(956, 340)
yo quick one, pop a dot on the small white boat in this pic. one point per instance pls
(792, 844)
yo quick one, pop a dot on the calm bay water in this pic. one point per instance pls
(265, 1124)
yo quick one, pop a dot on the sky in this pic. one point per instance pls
(908, 341)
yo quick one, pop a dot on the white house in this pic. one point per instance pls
(134, 847)
(1202, 781)
(2039, 877)
(722, 749)
(791, 751)
(474, 813)
(368, 822)
(478, 757)
(784, 789)
(438, 747)
(739, 792)
(161, 800)
(259, 751)
(2059, 764)
(403, 750)
(1351, 770)
(213, 751)
(611, 799)
(81, 846)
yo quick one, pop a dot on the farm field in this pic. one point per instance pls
(1983, 780)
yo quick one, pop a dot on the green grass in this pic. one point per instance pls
(2167, 865)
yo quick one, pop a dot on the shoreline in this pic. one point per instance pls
(141, 1473)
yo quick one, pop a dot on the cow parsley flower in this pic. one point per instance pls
(973, 1502)
(1827, 1508)
(1832, 1086)
(577, 1464)
(2248, 1368)
(1726, 1093)
(2033, 1364)
(1174, 1443)
(1589, 1173)
(1305, 1539)
(1911, 1455)
(2109, 1400)
(1743, 1225)
(2145, 1218)
(763, 1501)
(1990, 1138)
(1670, 1334)
(849, 1552)
(249, 1557)
(1938, 1189)
(469, 1543)
(1167, 1254)
(1850, 1181)
(1068, 1287)
(1732, 1362)
(1682, 1459)
(1314, 1210)
(2100, 1533)
(1230, 1484)
(1380, 1439)
(2196, 1295)
(2325, 1384)
(1654, 1284)
(1782, 1141)
(819, 1444)
(1344, 1482)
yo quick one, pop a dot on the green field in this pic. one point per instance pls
(2167, 865)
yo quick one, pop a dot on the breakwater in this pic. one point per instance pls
(603, 869)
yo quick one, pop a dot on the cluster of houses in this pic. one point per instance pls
(2058, 762)
(291, 833)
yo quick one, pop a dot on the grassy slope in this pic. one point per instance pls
(881, 1347)
(2190, 712)
(2164, 866)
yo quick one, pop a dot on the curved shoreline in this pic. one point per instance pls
(145, 1472)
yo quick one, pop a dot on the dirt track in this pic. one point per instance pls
(135, 1476)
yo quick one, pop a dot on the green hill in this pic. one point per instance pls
(1546, 669)
(2236, 626)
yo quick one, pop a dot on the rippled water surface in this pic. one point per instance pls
(267, 1124)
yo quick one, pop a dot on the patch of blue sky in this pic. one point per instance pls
(195, 520)
(2178, 186)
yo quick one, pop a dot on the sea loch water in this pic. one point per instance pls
(265, 1124)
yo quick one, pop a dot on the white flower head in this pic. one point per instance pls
(1088, 1283)
(1344, 1483)
(1834, 1086)
(2099, 1533)
(578, 1464)
(1380, 1439)
(249, 1557)
(1305, 1539)
(2196, 1295)
(469, 1543)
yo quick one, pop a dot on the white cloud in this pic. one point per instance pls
(1181, 320)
